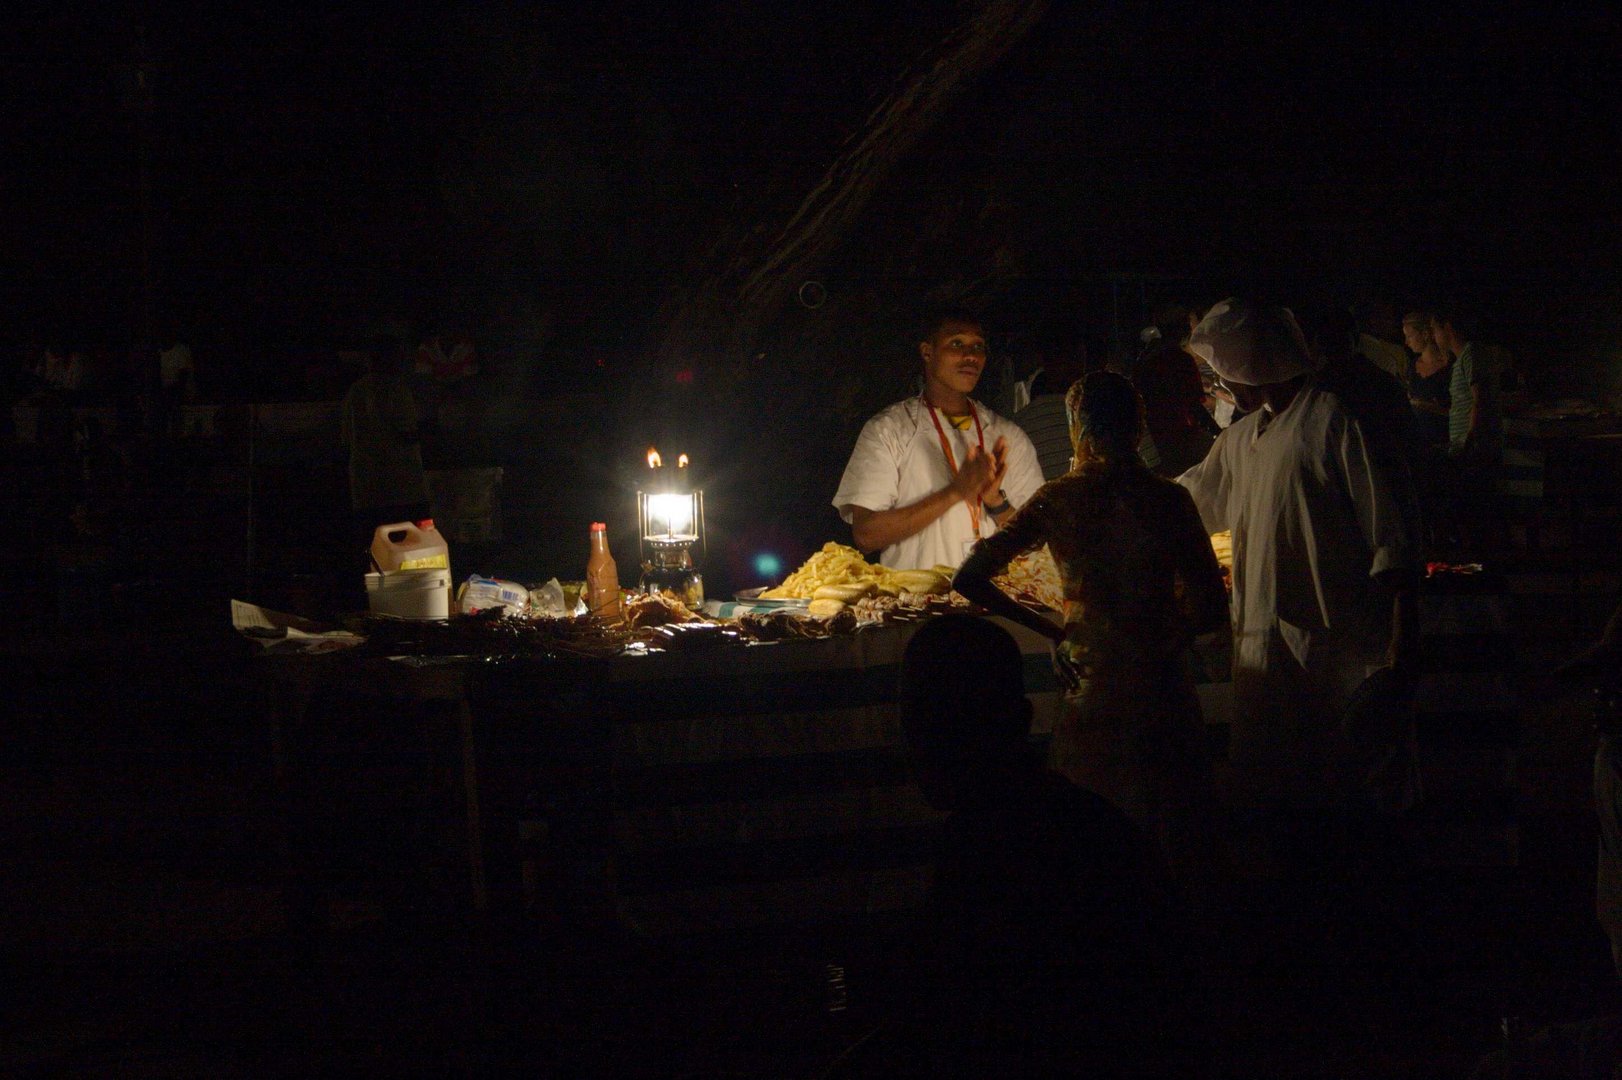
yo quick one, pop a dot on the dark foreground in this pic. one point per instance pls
(146, 932)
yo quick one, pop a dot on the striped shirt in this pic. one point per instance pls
(1048, 425)
(1047, 422)
(1477, 366)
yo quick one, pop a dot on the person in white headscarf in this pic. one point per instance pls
(1323, 571)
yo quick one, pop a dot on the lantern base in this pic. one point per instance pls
(683, 582)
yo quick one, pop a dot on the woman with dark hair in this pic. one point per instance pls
(1140, 582)
(1428, 379)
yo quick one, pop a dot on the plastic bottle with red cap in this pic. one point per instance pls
(602, 577)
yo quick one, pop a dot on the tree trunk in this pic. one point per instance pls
(747, 281)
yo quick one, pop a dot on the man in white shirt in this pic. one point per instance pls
(1324, 571)
(932, 474)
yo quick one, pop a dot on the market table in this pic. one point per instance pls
(1561, 475)
(766, 785)
(738, 787)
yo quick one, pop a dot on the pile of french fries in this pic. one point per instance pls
(838, 576)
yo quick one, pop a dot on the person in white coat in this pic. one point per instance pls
(1324, 572)
(933, 474)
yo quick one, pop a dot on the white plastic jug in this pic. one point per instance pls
(409, 545)
(410, 594)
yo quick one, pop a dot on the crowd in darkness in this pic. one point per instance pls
(1058, 940)
(1314, 442)
(1429, 383)
(150, 383)
(103, 425)
(1085, 907)
(1437, 403)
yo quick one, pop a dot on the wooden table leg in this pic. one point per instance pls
(303, 897)
(475, 822)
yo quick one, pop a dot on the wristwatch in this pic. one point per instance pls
(1000, 508)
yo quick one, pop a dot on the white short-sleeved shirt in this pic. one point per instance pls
(898, 461)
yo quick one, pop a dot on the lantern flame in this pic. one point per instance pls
(681, 462)
(654, 460)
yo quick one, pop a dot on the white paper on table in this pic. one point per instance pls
(287, 633)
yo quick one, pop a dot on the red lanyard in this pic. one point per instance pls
(951, 460)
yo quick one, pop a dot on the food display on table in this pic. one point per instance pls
(834, 592)
(838, 577)
(693, 636)
(1033, 580)
(1222, 545)
(643, 610)
(909, 607)
(790, 626)
(838, 567)
(493, 633)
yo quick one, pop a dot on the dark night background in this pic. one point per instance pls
(546, 174)
(551, 178)
(559, 182)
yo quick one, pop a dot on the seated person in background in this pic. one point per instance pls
(1475, 427)
(932, 474)
(1377, 333)
(382, 427)
(1140, 581)
(177, 372)
(62, 371)
(1475, 424)
(1168, 377)
(1048, 935)
(1044, 420)
(1428, 381)
(1374, 396)
(1371, 395)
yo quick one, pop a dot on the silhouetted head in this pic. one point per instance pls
(1171, 321)
(963, 704)
(1377, 316)
(1106, 417)
(387, 356)
(1331, 334)
(1452, 327)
